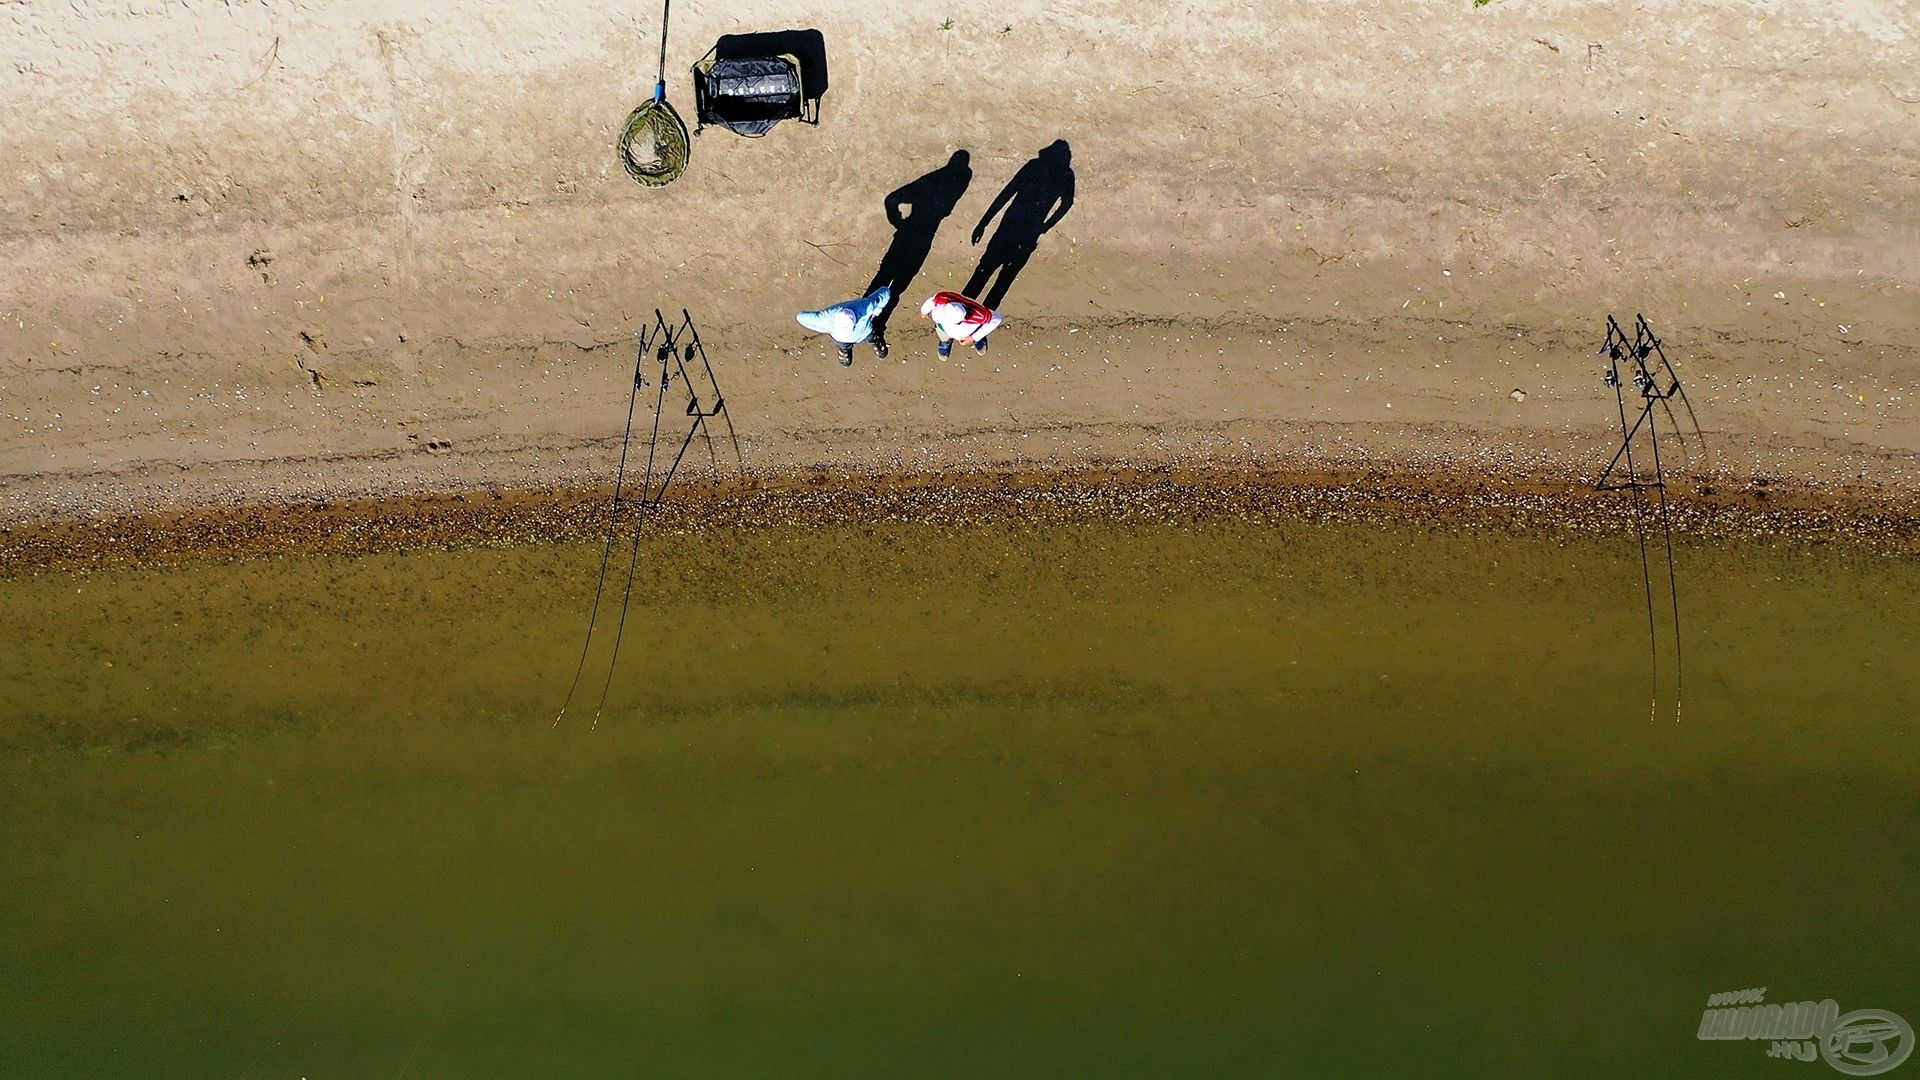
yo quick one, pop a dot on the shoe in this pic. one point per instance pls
(946, 349)
(880, 348)
(980, 346)
(846, 356)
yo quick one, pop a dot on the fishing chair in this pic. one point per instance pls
(749, 95)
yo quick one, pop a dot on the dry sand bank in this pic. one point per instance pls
(278, 253)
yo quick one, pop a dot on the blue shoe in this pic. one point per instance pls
(980, 346)
(946, 349)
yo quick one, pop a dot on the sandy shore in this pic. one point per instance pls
(302, 255)
(1699, 512)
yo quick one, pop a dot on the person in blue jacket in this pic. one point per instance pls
(850, 322)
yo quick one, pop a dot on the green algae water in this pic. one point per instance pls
(1117, 799)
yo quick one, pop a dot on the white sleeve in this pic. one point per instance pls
(988, 327)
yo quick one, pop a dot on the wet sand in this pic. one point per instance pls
(1699, 511)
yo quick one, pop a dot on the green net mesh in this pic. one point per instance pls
(653, 147)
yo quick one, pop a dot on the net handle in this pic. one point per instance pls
(660, 84)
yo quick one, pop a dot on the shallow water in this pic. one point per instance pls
(1216, 798)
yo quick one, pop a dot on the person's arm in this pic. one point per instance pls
(979, 331)
(897, 199)
(1000, 200)
(1065, 203)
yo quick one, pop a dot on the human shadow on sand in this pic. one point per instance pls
(1035, 200)
(915, 210)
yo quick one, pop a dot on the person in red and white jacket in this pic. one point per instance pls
(960, 318)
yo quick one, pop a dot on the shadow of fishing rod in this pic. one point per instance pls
(673, 348)
(1649, 492)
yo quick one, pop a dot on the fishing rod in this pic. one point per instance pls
(640, 525)
(1639, 524)
(613, 517)
(1647, 382)
(672, 356)
(720, 403)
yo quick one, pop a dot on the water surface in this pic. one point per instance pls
(1119, 799)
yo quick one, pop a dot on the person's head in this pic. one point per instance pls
(948, 313)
